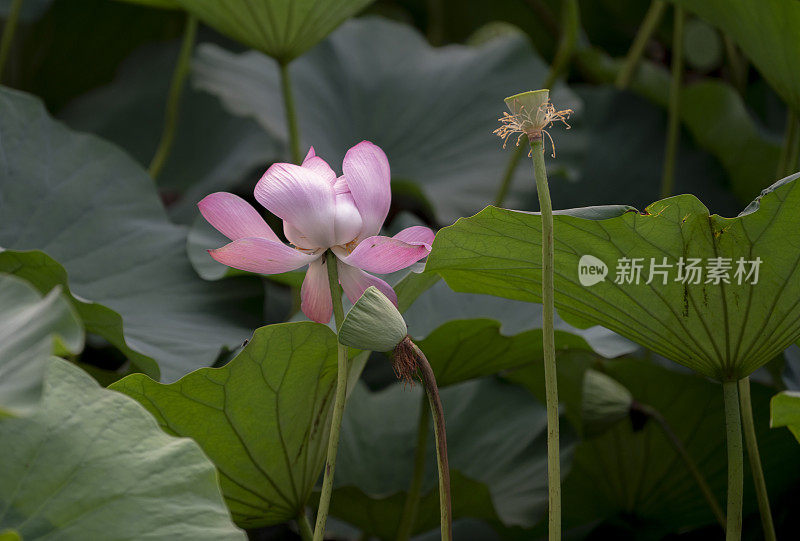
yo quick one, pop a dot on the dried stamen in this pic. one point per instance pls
(532, 125)
(404, 361)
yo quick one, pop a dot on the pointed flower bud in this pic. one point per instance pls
(605, 402)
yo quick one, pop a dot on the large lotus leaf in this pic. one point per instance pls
(432, 110)
(723, 330)
(213, 150)
(283, 29)
(90, 207)
(766, 30)
(31, 327)
(467, 349)
(161, 4)
(263, 418)
(637, 477)
(786, 411)
(438, 305)
(93, 464)
(713, 113)
(496, 435)
(378, 80)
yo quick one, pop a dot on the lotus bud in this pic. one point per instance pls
(605, 402)
(373, 323)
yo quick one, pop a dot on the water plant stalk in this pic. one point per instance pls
(411, 505)
(673, 123)
(677, 444)
(755, 459)
(643, 35)
(733, 439)
(306, 533)
(548, 338)
(8, 34)
(437, 413)
(291, 114)
(737, 62)
(174, 99)
(787, 160)
(339, 401)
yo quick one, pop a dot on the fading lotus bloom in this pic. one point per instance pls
(319, 212)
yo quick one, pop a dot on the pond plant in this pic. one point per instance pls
(206, 335)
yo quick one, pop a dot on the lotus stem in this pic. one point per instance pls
(291, 114)
(733, 438)
(306, 534)
(566, 47)
(338, 404)
(437, 412)
(673, 125)
(737, 63)
(643, 35)
(677, 444)
(411, 506)
(791, 146)
(8, 34)
(174, 100)
(755, 459)
(548, 338)
(508, 175)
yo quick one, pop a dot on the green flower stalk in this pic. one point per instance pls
(531, 113)
(375, 324)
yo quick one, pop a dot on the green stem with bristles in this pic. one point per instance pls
(411, 506)
(733, 440)
(674, 125)
(755, 459)
(339, 401)
(643, 35)
(791, 146)
(437, 413)
(306, 533)
(737, 63)
(548, 339)
(291, 113)
(174, 100)
(8, 34)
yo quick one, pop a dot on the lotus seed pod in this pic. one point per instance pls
(605, 402)
(373, 323)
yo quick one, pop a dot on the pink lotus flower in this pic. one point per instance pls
(319, 212)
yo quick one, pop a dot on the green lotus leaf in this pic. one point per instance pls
(723, 330)
(376, 79)
(714, 114)
(93, 464)
(31, 329)
(503, 484)
(160, 4)
(77, 211)
(283, 29)
(633, 475)
(766, 30)
(263, 418)
(786, 411)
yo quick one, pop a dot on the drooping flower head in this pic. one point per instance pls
(320, 211)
